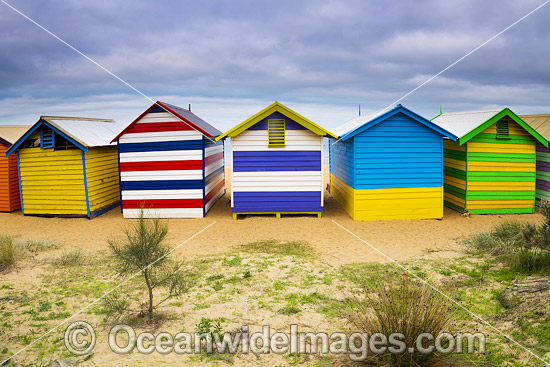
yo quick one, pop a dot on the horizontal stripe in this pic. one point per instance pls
(249, 202)
(542, 148)
(500, 166)
(213, 158)
(277, 181)
(448, 171)
(543, 185)
(500, 148)
(161, 146)
(213, 167)
(501, 176)
(501, 185)
(454, 154)
(276, 161)
(491, 138)
(162, 203)
(162, 185)
(500, 204)
(212, 193)
(456, 191)
(209, 150)
(456, 200)
(457, 182)
(503, 211)
(501, 195)
(454, 163)
(148, 137)
(212, 176)
(161, 194)
(544, 166)
(161, 175)
(151, 127)
(161, 165)
(501, 157)
(165, 213)
(173, 155)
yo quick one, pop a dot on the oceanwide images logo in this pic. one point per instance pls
(80, 339)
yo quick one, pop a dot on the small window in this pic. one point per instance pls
(503, 130)
(47, 138)
(276, 132)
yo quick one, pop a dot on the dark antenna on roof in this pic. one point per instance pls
(359, 109)
(189, 107)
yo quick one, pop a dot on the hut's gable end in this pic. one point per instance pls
(102, 178)
(161, 167)
(277, 179)
(501, 170)
(398, 153)
(52, 181)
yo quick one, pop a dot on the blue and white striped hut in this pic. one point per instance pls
(277, 165)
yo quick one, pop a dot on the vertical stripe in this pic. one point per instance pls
(20, 187)
(85, 183)
(119, 177)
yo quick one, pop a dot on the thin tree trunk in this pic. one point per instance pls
(150, 288)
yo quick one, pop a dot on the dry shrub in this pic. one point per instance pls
(408, 307)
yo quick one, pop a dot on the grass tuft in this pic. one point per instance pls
(294, 248)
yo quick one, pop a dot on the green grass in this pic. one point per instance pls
(295, 249)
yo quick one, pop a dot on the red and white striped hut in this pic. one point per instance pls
(170, 164)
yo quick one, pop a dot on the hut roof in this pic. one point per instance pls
(272, 108)
(541, 123)
(362, 123)
(10, 133)
(468, 124)
(82, 131)
(183, 114)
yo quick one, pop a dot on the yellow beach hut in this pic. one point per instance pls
(67, 167)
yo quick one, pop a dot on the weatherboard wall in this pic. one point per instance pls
(543, 174)
(393, 170)
(492, 175)
(9, 182)
(285, 179)
(102, 178)
(168, 168)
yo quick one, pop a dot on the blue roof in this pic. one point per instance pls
(362, 123)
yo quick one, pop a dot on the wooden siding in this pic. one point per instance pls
(214, 173)
(169, 168)
(102, 178)
(285, 179)
(543, 174)
(393, 170)
(9, 182)
(52, 182)
(489, 175)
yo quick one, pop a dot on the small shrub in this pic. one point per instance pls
(8, 252)
(407, 307)
(236, 261)
(247, 274)
(502, 239)
(208, 328)
(529, 261)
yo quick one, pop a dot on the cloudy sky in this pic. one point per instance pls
(229, 59)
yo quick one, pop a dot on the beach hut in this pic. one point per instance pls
(389, 166)
(9, 178)
(491, 168)
(170, 164)
(277, 163)
(67, 167)
(541, 124)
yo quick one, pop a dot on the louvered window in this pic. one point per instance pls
(47, 139)
(503, 130)
(276, 132)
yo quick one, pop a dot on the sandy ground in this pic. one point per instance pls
(401, 240)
